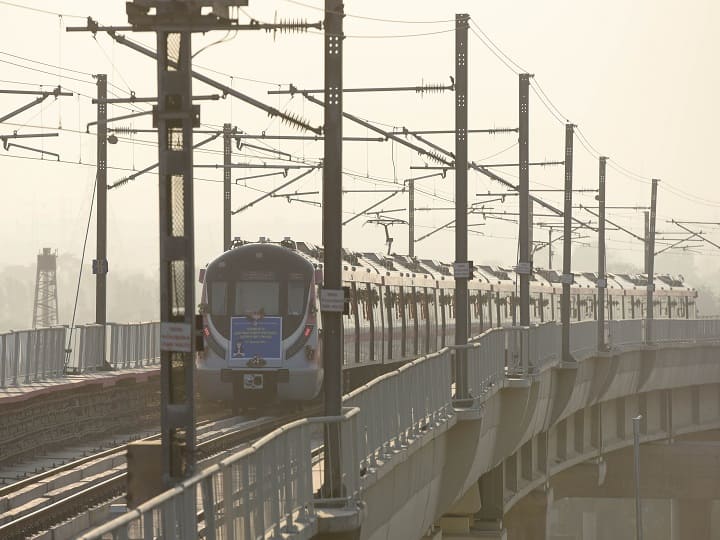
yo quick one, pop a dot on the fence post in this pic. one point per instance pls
(3, 358)
(16, 358)
(26, 356)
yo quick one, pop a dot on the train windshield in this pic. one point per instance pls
(274, 294)
(257, 297)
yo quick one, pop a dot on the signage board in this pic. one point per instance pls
(332, 300)
(252, 337)
(461, 270)
(524, 268)
(176, 337)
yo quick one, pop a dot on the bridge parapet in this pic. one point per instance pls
(403, 421)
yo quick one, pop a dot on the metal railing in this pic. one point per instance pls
(27, 356)
(626, 332)
(86, 348)
(396, 407)
(31, 355)
(486, 361)
(134, 344)
(271, 487)
(267, 488)
(665, 330)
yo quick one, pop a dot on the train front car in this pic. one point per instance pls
(260, 327)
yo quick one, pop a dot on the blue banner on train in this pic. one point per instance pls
(261, 337)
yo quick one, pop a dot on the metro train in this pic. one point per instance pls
(262, 329)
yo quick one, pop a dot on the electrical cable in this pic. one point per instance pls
(80, 273)
(388, 36)
(223, 39)
(42, 71)
(43, 11)
(507, 65)
(363, 17)
(518, 66)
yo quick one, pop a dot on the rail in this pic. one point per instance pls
(28, 356)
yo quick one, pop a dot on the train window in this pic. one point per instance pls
(296, 297)
(257, 296)
(218, 297)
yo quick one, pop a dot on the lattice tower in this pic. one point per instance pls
(45, 310)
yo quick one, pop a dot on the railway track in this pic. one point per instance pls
(37, 511)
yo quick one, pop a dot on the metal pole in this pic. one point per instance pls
(524, 267)
(332, 239)
(100, 263)
(601, 281)
(650, 241)
(636, 452)
(175, 117)
(550, 248)
(567, 276)
(461, 198)
(411, 217)
(645, 243)
(227, 182)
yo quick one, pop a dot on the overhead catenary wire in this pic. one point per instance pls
(43, 11)
(375, 19)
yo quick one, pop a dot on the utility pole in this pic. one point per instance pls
(100, 264)
(524, 267)
(650, 242)
(567, 278)
(462, 268)
(227, 180)
(411, 217)
(175, 115)
(645, 243)
(601, 280)
(332, 242)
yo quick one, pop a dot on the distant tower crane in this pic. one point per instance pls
(45, 310)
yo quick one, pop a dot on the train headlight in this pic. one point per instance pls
(309, 353)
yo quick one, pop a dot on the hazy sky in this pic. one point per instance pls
(638, 78)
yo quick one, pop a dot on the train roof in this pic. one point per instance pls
(397, 269)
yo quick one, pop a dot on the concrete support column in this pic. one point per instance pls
(528, 519)
(459, 519)
(492, 486)
(690, 518)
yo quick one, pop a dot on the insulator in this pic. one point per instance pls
(120, 183)
(124, 130)
(293, 26)
(431, 88)
(297, 121)
(436, 157)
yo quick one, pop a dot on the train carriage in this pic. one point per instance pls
(262, 330)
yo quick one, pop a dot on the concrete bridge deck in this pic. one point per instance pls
(415, 463)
